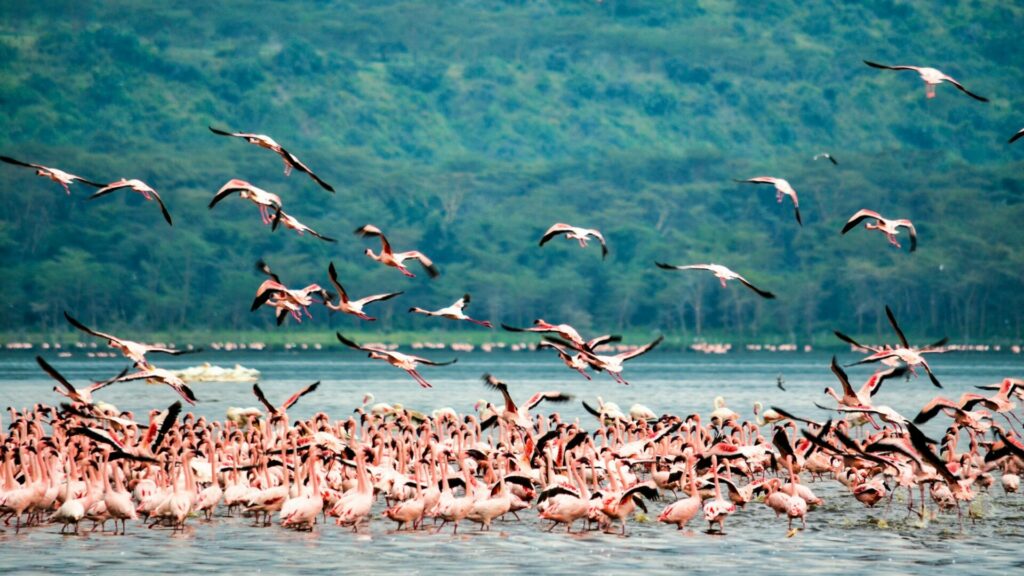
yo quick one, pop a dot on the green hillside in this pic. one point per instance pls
(464, 129)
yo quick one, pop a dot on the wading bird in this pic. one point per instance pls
(575, 233)
(139, 186)
(782, 188)
(65, 179)
(406, 362)
(396, 259)
(353, 307)
(266, 201)
(888, 227)
(453, 312)
(722, 273)
(290, 160)
(134, 351)
(931, 77)
(289, 221)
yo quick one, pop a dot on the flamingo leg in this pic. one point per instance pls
(929, 90)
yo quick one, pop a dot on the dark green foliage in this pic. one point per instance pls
(465, 129)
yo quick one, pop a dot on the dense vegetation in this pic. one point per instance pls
(465, 129)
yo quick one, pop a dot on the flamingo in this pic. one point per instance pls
(520, 415)
(396, 259)
(717, 509)
(282, 409)
(888, 227)
(827, 156)
(162, 376)
(134, 351)
(613, 364)
(281, 217)
(905, 353)
(453, 312)
(575, 233)
(258, 196)
(118, 501)
(931, 77)
(571, 359)
(139, 186)
(1017, 136)
(65, 179)
(683, 510)
(406, 362)
(722, 273)
(284, 300)
(83, 395)
(782, 188)
(290, 160)
(353, 307)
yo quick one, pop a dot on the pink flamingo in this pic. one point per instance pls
(290, 160)
(396, 259)
(931, 77)
(353, 307)
(575, 233)
(454, 312)
(888, 227)
(65, 179)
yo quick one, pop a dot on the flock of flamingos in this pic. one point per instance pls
(83, 459)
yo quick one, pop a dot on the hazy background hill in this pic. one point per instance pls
(465, 129)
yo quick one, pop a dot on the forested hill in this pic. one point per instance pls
(465, 129)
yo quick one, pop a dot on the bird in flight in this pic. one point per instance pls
(722, 273)
(575, 233)
(931, 77)
(290, 160)
(65, 179)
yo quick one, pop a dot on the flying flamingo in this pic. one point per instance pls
(521, 415)
(827, 156)
(904, 353)
(65, 179)
(137, 185)
(613, 365)
(354, 307)
(161, 376)
(134, 351)
(575, 233)
(1014, 138)
(722, 273)
(782, 188)
(258, 196)
(289, 221)
(396, 259)
(283, 408)
(888, 227)
(406, 362)
(284, 300)
(931, 77)
(290, 160)
(453, 312)
(83, 395)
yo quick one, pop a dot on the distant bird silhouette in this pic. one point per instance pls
(1014, 138)
(826, 155)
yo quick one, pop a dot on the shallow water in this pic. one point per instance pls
(841, 535)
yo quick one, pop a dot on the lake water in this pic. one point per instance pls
(841, 535)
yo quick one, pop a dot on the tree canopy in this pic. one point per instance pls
(465, 129)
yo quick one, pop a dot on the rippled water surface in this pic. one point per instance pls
(842, 535)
